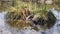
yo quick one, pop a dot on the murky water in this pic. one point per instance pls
(6, 29)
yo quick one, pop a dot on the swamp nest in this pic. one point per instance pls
(25, 18)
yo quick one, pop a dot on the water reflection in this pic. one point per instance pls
(3, 28)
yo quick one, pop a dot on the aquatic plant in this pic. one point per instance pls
(26, 14)
(20, 19)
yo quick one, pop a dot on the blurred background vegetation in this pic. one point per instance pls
(34, 5)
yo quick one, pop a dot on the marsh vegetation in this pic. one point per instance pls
(30, 13)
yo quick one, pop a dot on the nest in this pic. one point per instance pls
(16, 19)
